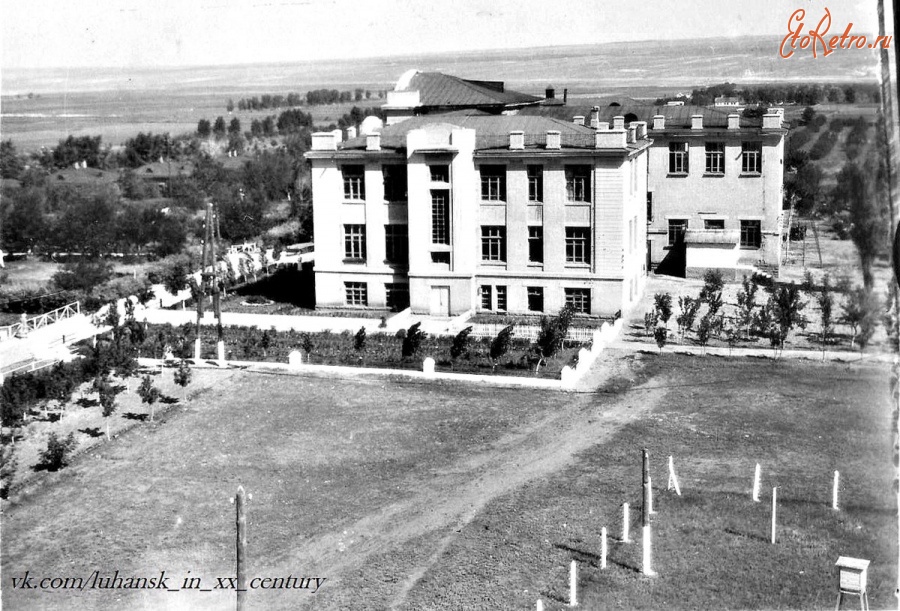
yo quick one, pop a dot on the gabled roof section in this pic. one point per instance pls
(442, 90)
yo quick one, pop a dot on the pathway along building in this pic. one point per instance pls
(469, 211)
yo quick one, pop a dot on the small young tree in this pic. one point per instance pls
(500, 344)
(713, 282)
(553, 335)
(107, 394)
(651, 319)
(661, 335)
(413, 341)
(58, 451)
(460, 345)
(148, 393)
(306, 344)
(732, 337)
(359, 340)
(183, 377)
(786, 307)
(860, 314)
(265, 342)
(685, 320)
(663, 306)
(704, 331)
(746, 301)
(825, 298)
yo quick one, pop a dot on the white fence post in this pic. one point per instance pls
(834, 492)
(625, 523)
(573, 585)
(756, 478)
(603, 548)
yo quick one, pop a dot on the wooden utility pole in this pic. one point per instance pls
(209, 276)
(646, 567)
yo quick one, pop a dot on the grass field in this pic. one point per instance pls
(449, 497)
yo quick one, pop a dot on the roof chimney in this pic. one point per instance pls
(373, 142)
(618, 122)
(516, 140)
(734, 121)
(611, 138)
(771, 120)
(338, 135)
(553, 140)
(578, 119)
(696, 121)
(351, 133)
(641, 128)
(550, 94)
(595, 117)
(323, 141)
(659, 122)
(603, 126)
(632, 133)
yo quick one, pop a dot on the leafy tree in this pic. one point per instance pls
(234, 127)
(83, 275)
(413, 341)
(204, 128)
(685, 320)
(786, 307)
(808, 114)
(229, 106)
(88, 225)
(307, 344)
(10, 163)
(8, 463)
(265, 342)
(219, 128)
(461, 343)
(651, 320)
(860, 310)
(359, 340)
(25, 225)
(56, 455)
(107, 394)
(553, 334)
(661, 335)
(825, 299)
(183, 377)
(704, 331)
(148, 393)
(175, 276)
(663, 305)
(746, 301)
(500, 344)
(76, 150)
(860, 192)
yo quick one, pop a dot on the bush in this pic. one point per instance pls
(58, 451)
(413, 340)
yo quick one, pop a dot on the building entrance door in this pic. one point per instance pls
(440, 301)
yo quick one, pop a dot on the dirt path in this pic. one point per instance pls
(438, 510)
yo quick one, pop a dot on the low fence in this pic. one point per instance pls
(43, 320)
(529, 332)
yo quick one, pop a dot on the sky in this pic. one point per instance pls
(157, 33)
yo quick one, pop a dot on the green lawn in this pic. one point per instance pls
(446, 496)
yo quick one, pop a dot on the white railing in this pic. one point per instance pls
(529, 332)
(42, 320)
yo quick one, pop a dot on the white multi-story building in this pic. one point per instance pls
(459, 212)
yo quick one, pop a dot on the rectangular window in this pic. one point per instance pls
(578, 183)
(493, 243)
(678, 158)
(579, 299)
(493, 183)
(357, 293)
(535, 244)
(714, 223)
(535, 183)
(649, 206)
(715, 157)
(677, 227)
(751, 234)
(440, 173)
(396, 296)
(355, 242)
(535, 299)
(440, 217)
(354, 182)
(396, 244)
(486, 301)
(751, 158)
(501, 298)
(578, 245)
(394, 183)
(441, 258)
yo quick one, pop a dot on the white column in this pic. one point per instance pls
(603, 548)
(774, 505)
(834, 493)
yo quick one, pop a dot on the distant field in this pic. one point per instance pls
(417, 496)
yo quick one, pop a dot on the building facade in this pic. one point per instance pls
(715, 184)
(456, 213)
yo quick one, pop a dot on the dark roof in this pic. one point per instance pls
(437, 89)
(677, 117)
(165, 169)
(491, 131)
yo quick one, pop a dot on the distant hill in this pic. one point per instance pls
(581, 69)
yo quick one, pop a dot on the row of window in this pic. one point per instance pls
(751, 231)
(751, 158)
(493, 182)
(493, 244)
(493, 297)
(396, 295)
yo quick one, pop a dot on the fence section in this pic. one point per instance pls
(529, 332)
(43, 320)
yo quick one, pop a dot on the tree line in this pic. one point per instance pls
(806, 94)
(317, 97)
